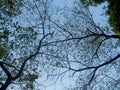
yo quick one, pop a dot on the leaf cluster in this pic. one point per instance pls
(114, 15)
(11, 7)
(92, 2)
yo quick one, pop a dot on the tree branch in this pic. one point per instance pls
(5, 70)
(80, 38)
(31, 56)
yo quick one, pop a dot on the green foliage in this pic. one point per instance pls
(11, 7)
(16, 41)
(114, 13)
(92, 2)
(4, 36)
(52, 34)
(2, 52)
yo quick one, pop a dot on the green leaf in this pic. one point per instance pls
(2, 52)
(51, 34)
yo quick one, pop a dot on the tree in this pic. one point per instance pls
(112, 11)
(8, 9)
(34, 41)
(11, 7)
(19, 46)
(89, 52)
(92, 2)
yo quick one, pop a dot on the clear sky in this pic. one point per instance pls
(98, 14)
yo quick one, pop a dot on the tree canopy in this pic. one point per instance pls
(10, 7)
(112, 10)
(39, 40)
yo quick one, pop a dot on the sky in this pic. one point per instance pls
(99, 14)
(100, 20)
(67, 82)
(60, 85)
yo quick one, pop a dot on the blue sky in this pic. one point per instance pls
(96, 11)
(100, 20)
